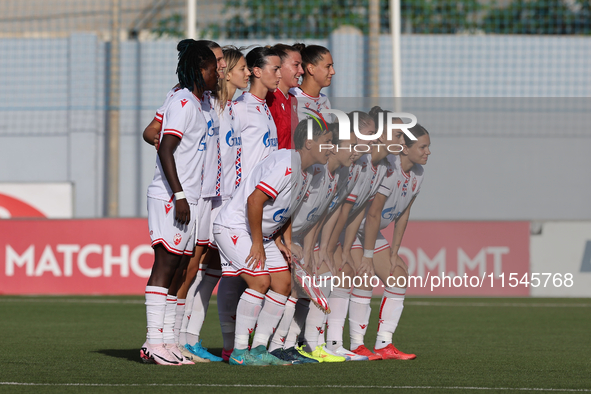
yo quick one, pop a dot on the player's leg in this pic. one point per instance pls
(339, 305)
(274, 304)
(188, 289)
(201, 304)
(229, 292)
(391, 305)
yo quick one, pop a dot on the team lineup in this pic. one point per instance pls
(243, 197)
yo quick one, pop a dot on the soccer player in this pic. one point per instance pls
(228, 178)
(258, 130)
(226, 163)
(281, 102)
(253, 233)
(318, 72)
(177, 179)
(306, 221)
(392, 203)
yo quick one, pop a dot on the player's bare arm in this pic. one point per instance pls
(397, 238)
(165, 153)
(327, 230)
(338, 228)
(254, 208)
(152, 133)
(284, 243)
(372, 226)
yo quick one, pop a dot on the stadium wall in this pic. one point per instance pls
(53, 128)
(445, 258)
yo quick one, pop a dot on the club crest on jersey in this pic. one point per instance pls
(278, 216)
(231, 140)
(414, 184)
(183, 102)
(177, 239)
(268, 141)
(234, 239)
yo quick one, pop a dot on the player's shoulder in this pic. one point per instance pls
(296, 92)
(418, 170)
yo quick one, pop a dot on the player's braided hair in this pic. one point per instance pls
(301, 132)
(192, 59)
(311, 54)
(257, 57)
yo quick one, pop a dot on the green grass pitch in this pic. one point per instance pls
(91, 344)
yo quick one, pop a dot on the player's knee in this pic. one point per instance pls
(262, 284)
(348, 271)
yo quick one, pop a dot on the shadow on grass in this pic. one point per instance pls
(127, 354)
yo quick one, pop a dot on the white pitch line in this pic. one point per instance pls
(375, 301)
(295, 386)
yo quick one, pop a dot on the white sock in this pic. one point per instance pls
(390, 311)
(269, 318)
(155, 307)
(189, 304)
(200, 304)
(339, 304)
(315, 326)
(359, 311)
(169, 319)
(297, 323)
(247, 313)
(180, 311)
(229, 292)
(280, 334)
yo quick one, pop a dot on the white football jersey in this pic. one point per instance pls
(212, 166)
(274, 177)
(399, 188)
(347, 177)
(257, 130)
(184, 119)
(306, 103)
(368, 183)
(323, 187)
(230, 150)
(160, 111)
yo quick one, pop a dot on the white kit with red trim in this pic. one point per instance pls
(310, 105)
(160, 111)
(323, 187)
(212, 166)
(370, 179)
(257, 130)
(347, 177)
(231, 150)
(183, 119)
(275, 177)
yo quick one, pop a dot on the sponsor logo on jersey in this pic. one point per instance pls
(202, 145)
(389, 213)
(183, 102)
(278, 216)
(211, 130)
(268, 141)
(231, 140)
(312, 217)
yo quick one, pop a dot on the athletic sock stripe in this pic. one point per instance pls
(215, 276)
(290, 300)
(155, 292)
(255, 296)
(353, 294)
(391, 292)
(273, 299)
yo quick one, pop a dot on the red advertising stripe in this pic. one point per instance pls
(96, 256)
(460, 253)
